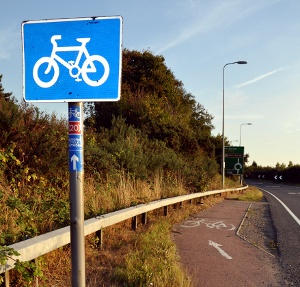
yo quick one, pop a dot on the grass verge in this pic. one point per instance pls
(251, 194)
(154, 261)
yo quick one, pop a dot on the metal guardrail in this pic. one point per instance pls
(33, 248)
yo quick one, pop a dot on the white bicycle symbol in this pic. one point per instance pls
(208, 223)
(88, 65)
(74, 113)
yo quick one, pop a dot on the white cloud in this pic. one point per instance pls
(259, 78)
(220, 15)
(207, 22)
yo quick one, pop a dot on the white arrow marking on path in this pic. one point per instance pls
(74, 159)
(217, 246)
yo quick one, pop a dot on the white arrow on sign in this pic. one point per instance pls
(280, 177)
(74, 159)
(275, 177)
(217, 246)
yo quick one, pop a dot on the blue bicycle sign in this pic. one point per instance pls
(73, 66)
(72, 60)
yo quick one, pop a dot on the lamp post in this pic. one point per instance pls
(223, 138)
(246, 124)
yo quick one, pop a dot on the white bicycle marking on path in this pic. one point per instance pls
(219, 224)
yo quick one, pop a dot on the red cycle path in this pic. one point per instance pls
(215, 256)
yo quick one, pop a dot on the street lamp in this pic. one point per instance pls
(246, 124)
(223, 138)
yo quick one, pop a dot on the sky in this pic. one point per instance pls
(197, 38)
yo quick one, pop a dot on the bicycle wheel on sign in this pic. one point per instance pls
(45, 72)
(92, 67)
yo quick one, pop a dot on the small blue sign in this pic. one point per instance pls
(74, 113)
(75, 143)
(76, 161)
(72, 60)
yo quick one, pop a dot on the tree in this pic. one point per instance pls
(154, 101)
(279, 166)
(9, 115)
(246, 158)
(5, 96)
(37, 139)
(254, 164)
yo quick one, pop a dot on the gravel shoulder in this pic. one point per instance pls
(257, 228)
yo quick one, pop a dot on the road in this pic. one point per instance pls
(284, 203)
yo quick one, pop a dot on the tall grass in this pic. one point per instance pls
(121, 191)
(154, 261)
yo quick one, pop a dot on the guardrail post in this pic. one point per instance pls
(99, 234)
(36, 279)
(134, 223)
(6, 279)
(144, 218)
(166, 210)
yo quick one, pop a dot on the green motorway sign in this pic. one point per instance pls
(234, 160)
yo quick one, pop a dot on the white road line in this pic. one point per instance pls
(287, 209)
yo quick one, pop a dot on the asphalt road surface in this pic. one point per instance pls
(284, 203)
(215, 256)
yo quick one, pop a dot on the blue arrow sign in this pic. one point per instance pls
(76, 161)
(72, 60)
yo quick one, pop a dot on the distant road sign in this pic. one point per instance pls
(72, 60)
(234, 160)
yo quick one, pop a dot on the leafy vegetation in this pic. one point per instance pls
(29, 270)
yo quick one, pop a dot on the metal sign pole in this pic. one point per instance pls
(75, 111)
